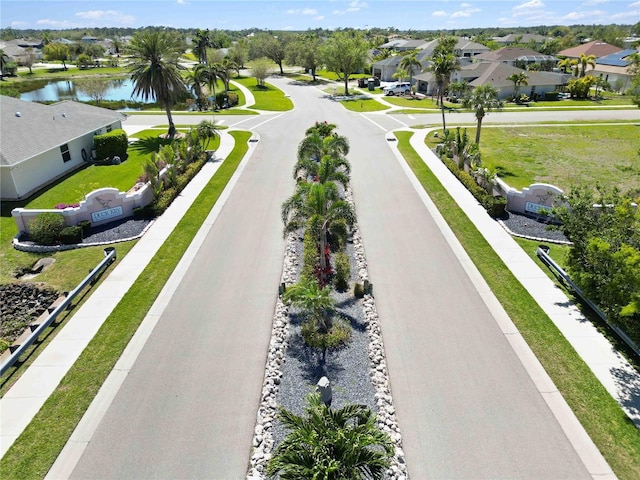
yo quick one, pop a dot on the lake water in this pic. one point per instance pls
(120, 89)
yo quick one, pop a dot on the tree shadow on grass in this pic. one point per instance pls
(149, 144)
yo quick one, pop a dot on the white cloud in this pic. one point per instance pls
(354, 6)
(439, 13)
(181, 2)
(582, 15)
(592, 3)
(459, 14)
(631, 14)
(319, 17)
(634, 4)
(529, 5)
(107, 16)
(56, 23)
(465, 5)
(303, 11)
(18, 24)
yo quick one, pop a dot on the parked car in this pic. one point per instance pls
(366, 82)
(398, 88)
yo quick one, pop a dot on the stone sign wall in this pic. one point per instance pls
(536, 199)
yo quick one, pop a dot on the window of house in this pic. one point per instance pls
(108, 128)
(64, 149)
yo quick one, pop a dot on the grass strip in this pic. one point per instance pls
(267, 96)
(363, 105)
(35, 451)
(611, 430)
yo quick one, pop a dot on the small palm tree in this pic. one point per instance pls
(331, 444)
(155, 70)
(211, 73)
(195, 81)
(481, 100)
(316, 145)
(410, 63)
(207, 130)
(585, 61)
(566, 64)
(227, 67)
(518, 79)
(310, 298)
(400, 74)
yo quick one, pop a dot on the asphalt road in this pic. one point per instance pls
(466, 406)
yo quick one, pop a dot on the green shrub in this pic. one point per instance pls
(338, 335)
(496, 207)
(85, 225)
(230, 98)
(111, 144)
(164, 199)
(358, 290)
(71, 235)
(551, 96)
(337, 237)
(45, 228)
(343, 272)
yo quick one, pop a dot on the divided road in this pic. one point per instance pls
(466, 406)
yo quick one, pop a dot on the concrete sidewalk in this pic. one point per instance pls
(615, 373)
(23, 401)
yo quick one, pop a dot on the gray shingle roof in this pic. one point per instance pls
(28, 129)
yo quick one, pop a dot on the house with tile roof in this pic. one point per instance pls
(596, 48)
(41, 143)
(614, 69)
(521, 38)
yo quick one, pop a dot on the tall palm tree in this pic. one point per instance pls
(227, 66)
(202, 43)
(4, 61)
(320, 205)
(443, 64)
(195, 80)
(331, 444)
(584, 61)
(410, 63)
(211, 73)
(481, 100)
(518, 79)
(155, 70)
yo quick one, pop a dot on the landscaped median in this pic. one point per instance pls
(33, 453)
(603, 419)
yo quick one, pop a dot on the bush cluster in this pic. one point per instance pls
(45, 228)
(338, 334)
(71, 235)
(343, 272)
(111, 144)
(85, 225)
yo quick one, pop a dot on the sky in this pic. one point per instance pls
(310, 14)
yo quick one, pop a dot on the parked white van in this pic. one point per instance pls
(398, 88)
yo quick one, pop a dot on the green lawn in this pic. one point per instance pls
(363, 105)
(334, 76)
(33, 453)
(268, 97)
(616, 437)
(563, 155)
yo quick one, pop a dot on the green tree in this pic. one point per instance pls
(238, 53)
(227, 66)
(4, 61)
(442, 66)
(207, 130)
(274, 47)
(210, 74)
(518, 79)
(410, 63)
(155, 70)
(567, 64)
(201, 43)
(313, 300)
(314, 148)
(195, 80)
(585, 61)
(304, 50)
(345, 53)
(30, 59)
(481, 100)
(260, 68)
(331, 444)
(57, 51)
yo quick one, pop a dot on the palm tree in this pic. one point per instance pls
(566, 64)
(518, 79)
(319, 205)
(459, 88)
(584, 61)
(195, 81)
(207, 130)
(410, 63)
(314, 146)
(442, 66)
(400, 73)
(315, 301)
(481, 100)
(227, 66)
(155, 70)
(331, 444)
(211, 73)
(202, 43)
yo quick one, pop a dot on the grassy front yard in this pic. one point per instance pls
(268, 97)
(563, 155)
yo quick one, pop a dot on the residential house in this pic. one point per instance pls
(18, 50)
(596, 48)
(41, 143)
(404, 44)
(614, 69)
(520, 38)
(512, 55)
